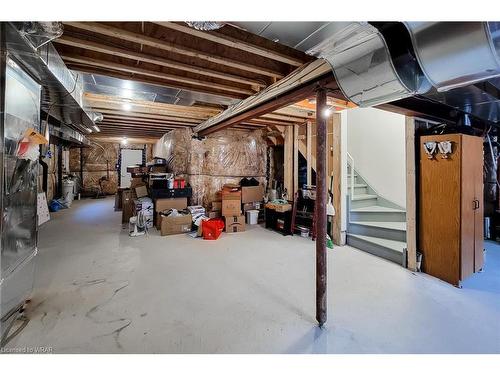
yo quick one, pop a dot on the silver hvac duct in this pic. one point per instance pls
(205, 25)
(363, 67)
(456, 54)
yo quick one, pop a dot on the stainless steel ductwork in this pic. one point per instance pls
(456, 54)
(361, 61)
(62, 90)
(205, 25)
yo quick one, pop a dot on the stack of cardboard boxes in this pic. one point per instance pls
(231, 208)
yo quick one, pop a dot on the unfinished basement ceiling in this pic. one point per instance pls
(158, 66)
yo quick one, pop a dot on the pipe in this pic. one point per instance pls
(320, 211)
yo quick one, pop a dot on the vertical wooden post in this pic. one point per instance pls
(309, 152)
(288, 161)
(335, 169)
(321, 201)
(411, 196)
(295, 158)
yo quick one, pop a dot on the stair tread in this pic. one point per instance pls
(397, 225)
(360, 197)
(391, 244)
(376, 209)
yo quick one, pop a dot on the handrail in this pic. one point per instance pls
(350, 160)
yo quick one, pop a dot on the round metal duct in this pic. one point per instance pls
(456, 54)
(362, 65)
(205, 25)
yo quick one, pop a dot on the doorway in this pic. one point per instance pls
(128, 157)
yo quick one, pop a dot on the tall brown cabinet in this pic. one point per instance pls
(451, 206)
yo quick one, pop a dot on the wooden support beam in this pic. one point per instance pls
(130, 36)
(309, 152)
(161, 61)
(288, 162)
(292, 96)
(411, 194)
(158, 75)
(228, 41)
(320, 211)
(295, 157)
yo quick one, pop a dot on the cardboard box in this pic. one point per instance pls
(162, 204)
(231, 207)
(234, 224)
(279, 207)
(214, 214)
(252, 194)
(136, 181)
(176, 225)
(144, 204)
(141, 191)
(128, 206)
(217, 206)
(231, 192)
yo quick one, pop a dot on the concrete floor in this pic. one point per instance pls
(99, 291)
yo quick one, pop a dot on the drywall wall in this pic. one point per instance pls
(376, 141)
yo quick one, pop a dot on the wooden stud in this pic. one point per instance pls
(295, 158)
(411, 195)
(309, 152)
(335, 168)
(288, 162)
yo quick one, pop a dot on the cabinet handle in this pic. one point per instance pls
(475, 204)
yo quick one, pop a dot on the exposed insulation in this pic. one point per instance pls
(100, 161)
(223, 157)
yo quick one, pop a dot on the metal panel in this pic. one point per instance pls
(363, 68)
(456, 54)
(22, 96)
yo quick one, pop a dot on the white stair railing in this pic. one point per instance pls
(350, 161)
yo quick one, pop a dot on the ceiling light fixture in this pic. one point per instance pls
(127, 107)
(124, 141)
(96, 128)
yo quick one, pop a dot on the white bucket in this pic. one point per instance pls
(252, 217)
(68, 191)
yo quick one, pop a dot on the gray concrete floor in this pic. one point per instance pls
(99, 291)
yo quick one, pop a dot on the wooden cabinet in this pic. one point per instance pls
(450, 222)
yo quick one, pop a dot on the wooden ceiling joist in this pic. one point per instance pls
(146, 120)
(139, 125)
(160, 61)
(119, 33)
(228, 41)
(145, 79)
(107, 101)
(106, 64)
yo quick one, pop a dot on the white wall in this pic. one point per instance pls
(376, 141)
